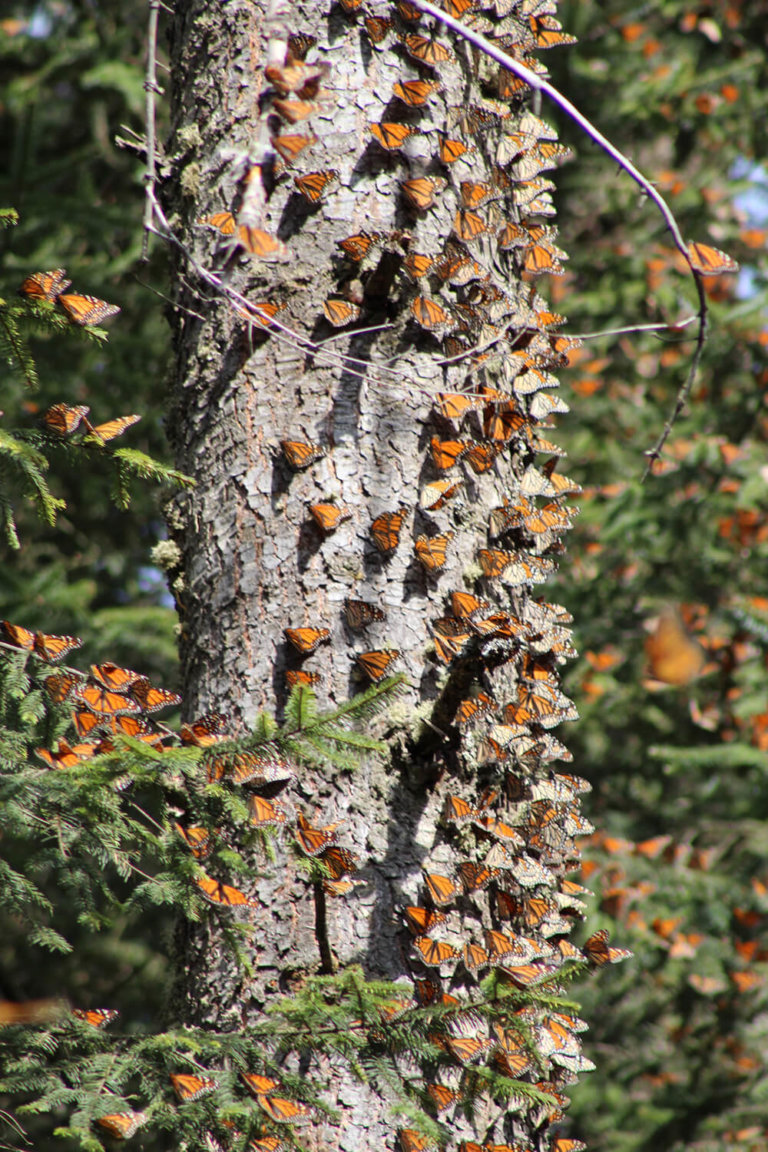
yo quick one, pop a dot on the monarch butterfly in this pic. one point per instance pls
(267, 1144)
(66, 755)
(206, 730)
(429, 314)
(710, 261)
(306, 640)
(474, 877)
(284, 1111)
(299, 44)
(566, 1144)
(300, 455)
(446, 453)
(339, 311)
(339, 861)
(435, 952)
(458, 811)
(474, 957)
(392, 135)
(455, 405)
(674, 656)
(351, 5)
(378, 28)
(431, 553)
(294, 111)
(360, 614)
(314, 184)
(495, 827)
(376, 663)
(459, 268)
(121, 1125)
(96, 1017)
(313, 841)
(428, 51)
(258, 768)
(261, 312)
(459, 8)
(224, 222)
(420, 192)
(548, 32)
(441, 888)
(529, 873)
(190, 1087)
(111, 428)
(385, 530)
(469, 710)
(542, 258)
(416, 264)
(296, 77)
(265, 814)
(53, 648)
(261, 244)
(218, 893)
(60, 686)
(114, 677)
(449, 648)
(452, 150)
(468, 225)
(258, 1084)
(152, 699)
(338, 887)
(289, 147)
(475, 193)
(468, 1048)
(408, 11)
(85, 310)
(44, 285)
(482, 457)
(421, 921)
(357, 247)
(411, 1140)
(598, 952)
(65, 418)
(329, 516)
(415, 92)
(197, 839)
(437, 494)
(294, 676)
(464, 605)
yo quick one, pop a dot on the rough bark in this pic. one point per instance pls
(254, 559)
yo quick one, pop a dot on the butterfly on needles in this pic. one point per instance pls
(223, 895)
(85, 310)
(121, 1125)
(48, 648)
(96, 1017)
(190, 1087)
(44, 285)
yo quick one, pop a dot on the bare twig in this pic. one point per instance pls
(150, 88)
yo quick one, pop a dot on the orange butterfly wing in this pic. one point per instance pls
(224, 894)
(392, 135)
(64, 419)
(329, 516)
(415, 92)
(52, 648)
(385, 530)
(112, 428)
(431, 553)
(339, 311)
(96, 1017)
(376, 663)
(17, 635)
(153, 699)
(360, 614)
(710, 261)
(314, 184)
(258, 1084)
(300, 454)
(85, 310)
(44, 285)
(121, 1125)
(259, 243)
(190, 1087)
(435, 952)
(306, 640)
(104, 702)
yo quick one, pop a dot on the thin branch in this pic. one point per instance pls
(631, 329)
(150, 88)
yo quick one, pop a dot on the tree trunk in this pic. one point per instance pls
(255, 558)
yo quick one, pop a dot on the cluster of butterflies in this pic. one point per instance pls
(113, 701)
(51, 287)
(189, 1087)
(67, 419)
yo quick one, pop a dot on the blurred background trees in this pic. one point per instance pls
(679, 769)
